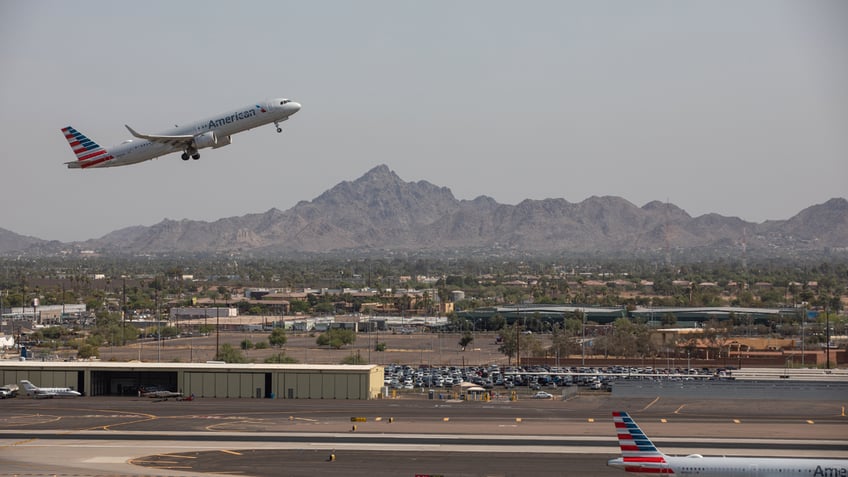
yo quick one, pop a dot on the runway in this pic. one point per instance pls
(94, 436)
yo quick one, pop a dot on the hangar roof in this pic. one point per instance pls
(209, 366)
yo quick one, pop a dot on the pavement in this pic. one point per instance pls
(408, 436)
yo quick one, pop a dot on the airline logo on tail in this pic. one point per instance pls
(88, 152)
(638, 453)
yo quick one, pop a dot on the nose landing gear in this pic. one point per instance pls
(277, 123)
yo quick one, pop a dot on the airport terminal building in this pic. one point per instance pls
(218, 380)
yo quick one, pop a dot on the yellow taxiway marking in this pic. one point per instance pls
(144, 417)
(19, 443)
(737, 421)
(663, 420)
(810, 421)
(677, 411)
(651, 404)
(230, 452)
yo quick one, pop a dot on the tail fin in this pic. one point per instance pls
(638, 453)
(88, 152)
(28, 386)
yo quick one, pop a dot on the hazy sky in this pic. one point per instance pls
(734, 107)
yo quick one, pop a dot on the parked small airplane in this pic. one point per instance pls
(34, 391)
(640, 456)
(213, 132)
(161, 394)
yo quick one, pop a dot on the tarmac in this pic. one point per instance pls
(412, 435)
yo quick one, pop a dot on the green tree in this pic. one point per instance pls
(280, 358)
(466, 340)
(86, 351)
(325, 308)
(495, 323)
(336, 338)
(246, 344)
(299, 306)
(564, 342)
(228, 354)
(353, 359)
(509, 342)
(278, 337)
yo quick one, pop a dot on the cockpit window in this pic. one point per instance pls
(285, 101)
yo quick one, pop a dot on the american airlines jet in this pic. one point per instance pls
(213, 132)
(640, 456)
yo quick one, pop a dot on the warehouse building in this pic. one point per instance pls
(211, 380)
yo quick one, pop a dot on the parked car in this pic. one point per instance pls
(8, 391)
(543, 395)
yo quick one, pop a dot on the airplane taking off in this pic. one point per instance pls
(42, 393)
(640, 456)
(213, 132)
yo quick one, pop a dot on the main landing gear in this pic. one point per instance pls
(190, 153)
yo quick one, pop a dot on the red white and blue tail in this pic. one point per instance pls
(638, 453)
(88, 152)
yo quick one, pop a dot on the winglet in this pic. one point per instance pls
(133, 132)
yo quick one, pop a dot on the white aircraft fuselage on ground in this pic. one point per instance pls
(39, 393)
(214, 132)
(640, 456)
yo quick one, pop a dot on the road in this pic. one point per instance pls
(130, 436)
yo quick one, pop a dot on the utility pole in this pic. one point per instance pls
(517, 344)
(158, 328)
(827, 338)
(583, 341)
(123, 310)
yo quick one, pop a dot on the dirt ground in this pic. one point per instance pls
(414, 349)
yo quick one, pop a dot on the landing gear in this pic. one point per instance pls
(277, 123)
(190, 152)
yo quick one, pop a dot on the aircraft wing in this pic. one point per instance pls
(179, 141)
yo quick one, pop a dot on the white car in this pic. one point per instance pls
(543, 395)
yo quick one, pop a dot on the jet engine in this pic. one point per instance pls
(209, 139)
(223, 141)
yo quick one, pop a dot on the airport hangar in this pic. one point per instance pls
(218, 380)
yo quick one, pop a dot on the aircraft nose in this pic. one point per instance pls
(293, 106)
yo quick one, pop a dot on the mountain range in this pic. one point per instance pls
(380, 211)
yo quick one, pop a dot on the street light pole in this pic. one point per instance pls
(583, 341)
(218, 332)
(827, 338)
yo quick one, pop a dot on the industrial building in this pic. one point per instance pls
(211, 380)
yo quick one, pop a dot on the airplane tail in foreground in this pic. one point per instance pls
(638, 453)
(28, 386)
(88, 152)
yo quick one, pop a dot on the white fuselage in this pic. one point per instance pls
(740, 467)
(224, 125)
